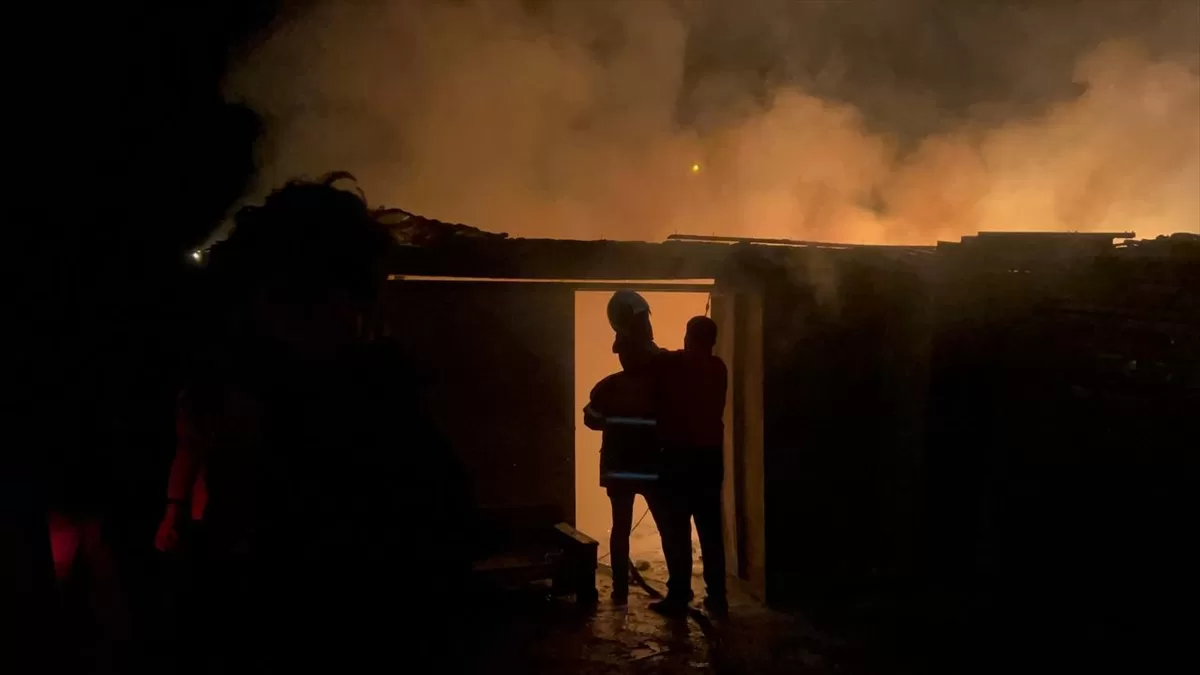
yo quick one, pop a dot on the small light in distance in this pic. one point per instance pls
(695, 168)
(197, 255)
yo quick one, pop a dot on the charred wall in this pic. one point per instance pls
(1061, 460)
(1008, 422)
(844, 357)
(499, 362)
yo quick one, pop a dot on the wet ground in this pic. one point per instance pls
(532, 632)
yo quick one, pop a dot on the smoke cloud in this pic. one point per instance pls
(887, 122)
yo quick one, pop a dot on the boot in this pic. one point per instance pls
(620, 591)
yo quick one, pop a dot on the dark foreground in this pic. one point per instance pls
(539, 634)
(900, 634)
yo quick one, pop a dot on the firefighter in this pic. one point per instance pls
(620, 406)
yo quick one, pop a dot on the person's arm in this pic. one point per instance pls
(182, 476)
(592, 418)
(184, 470)
(593, 412)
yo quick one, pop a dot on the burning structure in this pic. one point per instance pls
(965, 412)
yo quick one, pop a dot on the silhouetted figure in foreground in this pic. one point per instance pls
(620, 405)
(689, 398)
(330, 499)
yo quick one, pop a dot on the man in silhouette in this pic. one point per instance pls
(313, 449)
(620, 406)
(689, 403)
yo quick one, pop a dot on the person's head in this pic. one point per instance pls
(629, 316)
(701, 335)
(304, 266)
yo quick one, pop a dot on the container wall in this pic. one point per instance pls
(845, 358)
(499, 361)
(738, 313)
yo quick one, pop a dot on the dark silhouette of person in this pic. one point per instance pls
(187, 491)
(309, 435)
(621, 406)
(689, 401)
(104, 301)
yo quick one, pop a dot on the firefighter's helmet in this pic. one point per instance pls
(623, 308)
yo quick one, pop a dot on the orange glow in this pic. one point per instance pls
(580, 148)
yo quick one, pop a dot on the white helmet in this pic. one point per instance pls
(622, 308)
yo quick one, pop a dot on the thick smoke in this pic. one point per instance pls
(895, 122)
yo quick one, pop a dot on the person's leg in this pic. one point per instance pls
(673, 519)
(618, 540)
(706, 509)
(65, 535)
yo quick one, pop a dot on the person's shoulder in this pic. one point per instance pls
(667, 357)
(609, 381)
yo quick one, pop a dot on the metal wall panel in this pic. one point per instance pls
(499, 364)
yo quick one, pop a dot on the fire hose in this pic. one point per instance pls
(634, 575)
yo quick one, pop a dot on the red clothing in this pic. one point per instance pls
(689, 395)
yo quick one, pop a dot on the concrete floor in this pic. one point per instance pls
(531, 632)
